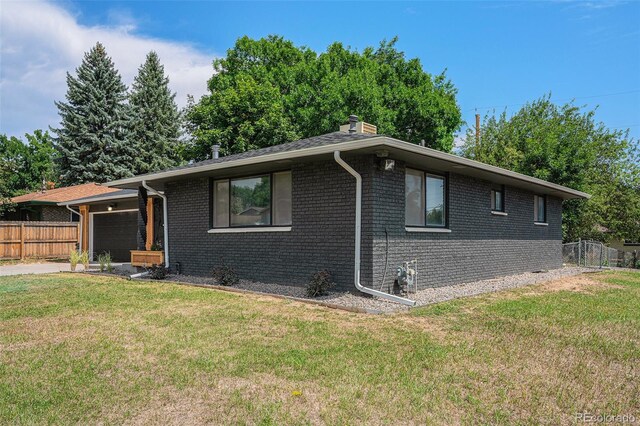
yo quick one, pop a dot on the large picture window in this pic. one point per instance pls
(426, 199)
(263, 200)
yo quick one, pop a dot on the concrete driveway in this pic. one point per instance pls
(36, 268)
(52, 267)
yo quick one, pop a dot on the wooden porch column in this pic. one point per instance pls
(150, 223)
(84, 214)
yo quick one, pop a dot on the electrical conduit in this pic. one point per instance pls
(348, 168)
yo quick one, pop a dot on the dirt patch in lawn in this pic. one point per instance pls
(234, 400)
(579, 283)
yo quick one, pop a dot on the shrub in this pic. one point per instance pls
(319, 284)
(157, 272)
(226, 275)
(74, 259)
(104, 260)
(84, 259)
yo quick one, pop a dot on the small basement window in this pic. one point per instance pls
(540, 208)
(263, 200)
(426, 199)
(497, 198)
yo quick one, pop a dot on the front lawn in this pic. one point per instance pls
(86, 349)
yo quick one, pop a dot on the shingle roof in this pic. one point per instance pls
(327, 139)
(344, 141)
(68, 193)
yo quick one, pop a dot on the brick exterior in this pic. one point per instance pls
(479, 246)
(55, 214)
(322, 235)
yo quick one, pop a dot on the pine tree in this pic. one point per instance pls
(155, 118)
(93, 139)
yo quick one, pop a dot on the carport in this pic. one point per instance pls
(110, 223)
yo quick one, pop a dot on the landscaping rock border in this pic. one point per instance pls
(365, 303)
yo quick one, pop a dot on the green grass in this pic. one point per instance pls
(87, 349)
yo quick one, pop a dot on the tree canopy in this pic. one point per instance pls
(94, 138)
(565, 144)
(23, 166)
(269, 91)
(155, 120)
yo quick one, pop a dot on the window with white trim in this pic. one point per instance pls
(540, 208)
(262, 200)
(426, 199)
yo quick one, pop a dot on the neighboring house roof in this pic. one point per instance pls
(252, 211)
(323, 146)
(58, 195)
(115, 194)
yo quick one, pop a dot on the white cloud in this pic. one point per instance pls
(40, 42)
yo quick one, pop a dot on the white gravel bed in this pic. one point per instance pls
(422, 297)
(280, 289)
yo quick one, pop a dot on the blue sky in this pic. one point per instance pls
(497, 53)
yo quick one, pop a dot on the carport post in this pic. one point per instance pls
(165, 214)
(150, 224)
(84, 220)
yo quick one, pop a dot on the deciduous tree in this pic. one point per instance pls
(565, 144)
(269, 91)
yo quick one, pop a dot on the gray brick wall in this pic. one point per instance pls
(322, 235)
(55, 214)
(480, 245)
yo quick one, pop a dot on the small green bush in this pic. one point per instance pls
(74, 259)
(157, 272)
(226, 275)
(319, 284)
(104, 259)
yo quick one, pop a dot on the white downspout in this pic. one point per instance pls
(404, 301)
(165, 213)
(80, 227)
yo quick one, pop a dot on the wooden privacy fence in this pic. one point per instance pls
(19, 240)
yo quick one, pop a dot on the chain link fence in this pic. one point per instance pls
(594, 254)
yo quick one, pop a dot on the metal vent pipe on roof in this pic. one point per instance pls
(353, 120)
(216, 151)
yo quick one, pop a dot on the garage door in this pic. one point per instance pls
(115, 233)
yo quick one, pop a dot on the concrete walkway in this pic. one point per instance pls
(45, 268)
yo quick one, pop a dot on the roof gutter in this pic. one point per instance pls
(81, 224)
(165, 213)
(96, 199)
(351, 170)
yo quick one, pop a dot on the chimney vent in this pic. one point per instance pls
(356, 126)
(216, 151)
